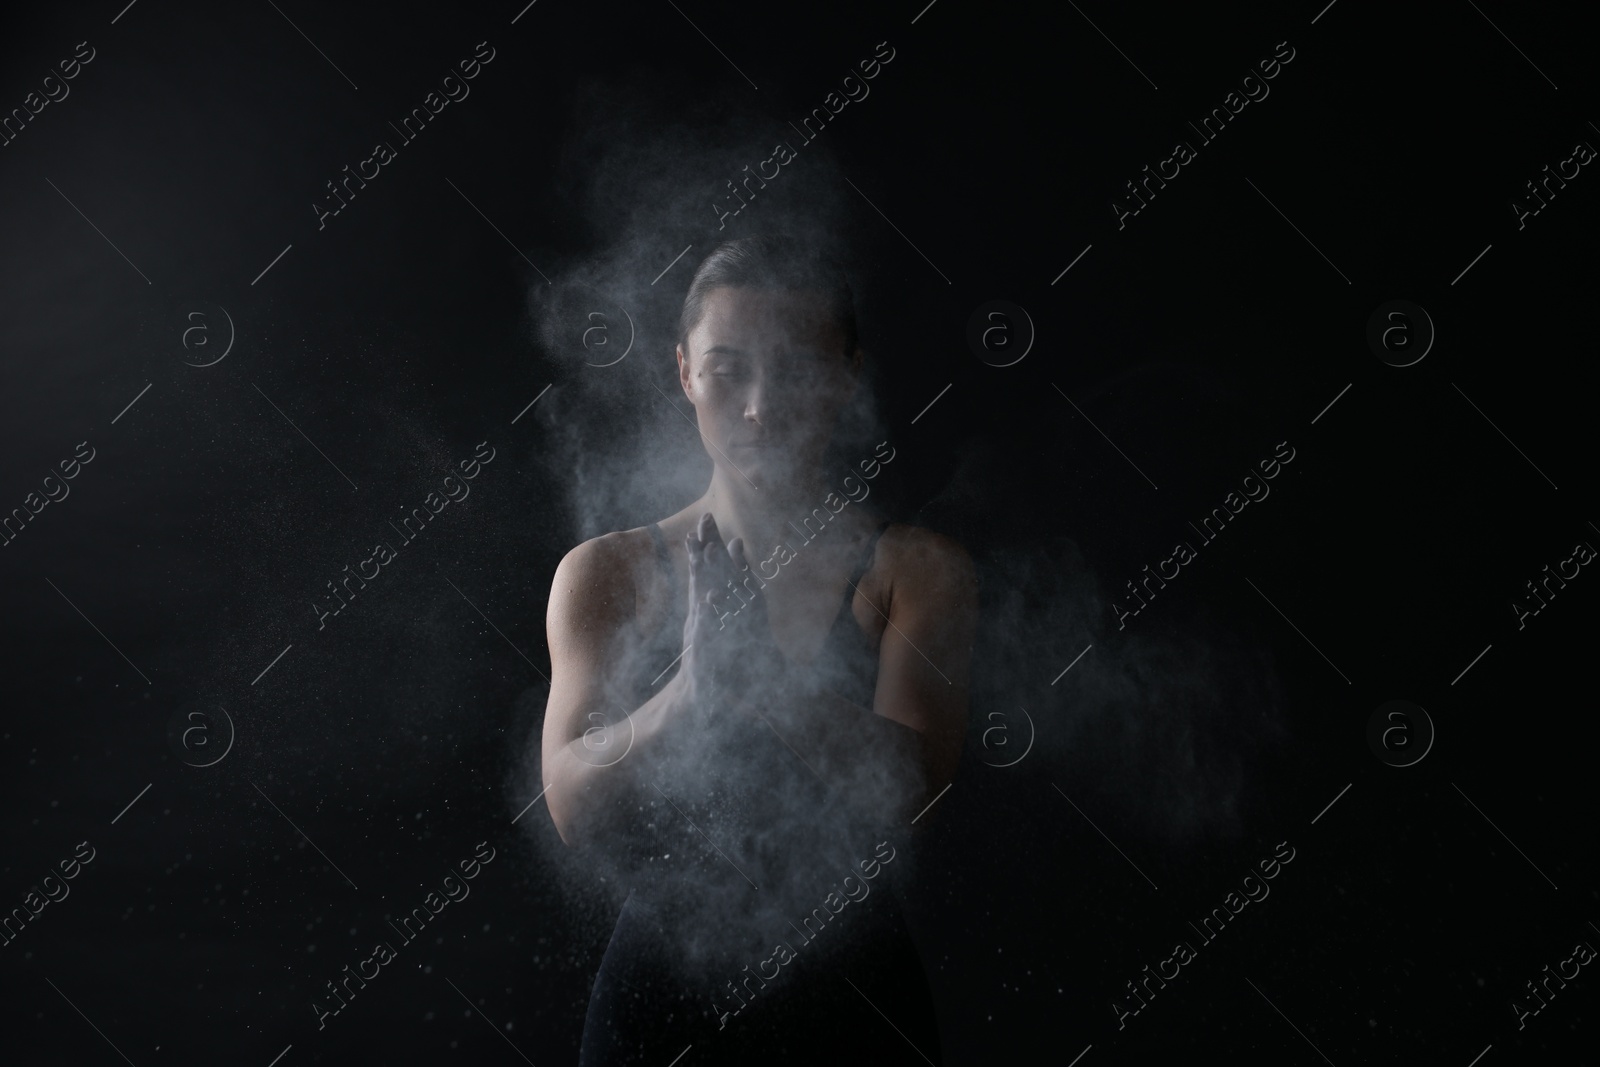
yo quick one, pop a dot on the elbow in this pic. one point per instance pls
(558, 803)
(575, 821)
(938, 760)
(942, 770)
(941, 749)
(568, 835)
(568, 827)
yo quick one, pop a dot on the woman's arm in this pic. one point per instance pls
(587, 770)
(595, 774)
(919, 713)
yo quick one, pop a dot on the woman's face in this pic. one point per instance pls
(767, 373)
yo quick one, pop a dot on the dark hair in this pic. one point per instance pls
(771, 261)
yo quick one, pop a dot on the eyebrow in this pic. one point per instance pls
(730, 350)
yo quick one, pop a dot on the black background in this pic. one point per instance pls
(1196, 338)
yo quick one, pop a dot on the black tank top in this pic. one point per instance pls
(752, 794)
(695, 923)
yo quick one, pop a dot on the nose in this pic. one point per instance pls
(755, 407)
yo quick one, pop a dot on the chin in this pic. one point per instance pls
(766, 471)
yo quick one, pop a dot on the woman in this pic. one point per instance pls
(744, 707)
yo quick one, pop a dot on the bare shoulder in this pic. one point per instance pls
(929, 573)
(608, 551)
(598, 579)
(916, 550)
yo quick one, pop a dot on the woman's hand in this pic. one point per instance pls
(729, 653)
(762, 667)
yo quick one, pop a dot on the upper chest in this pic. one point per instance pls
(806, 599)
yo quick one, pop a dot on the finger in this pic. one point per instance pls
(710, 614)
(713, 535)
(705, 562)
(740, 554)
(715, 555)
(740, 558)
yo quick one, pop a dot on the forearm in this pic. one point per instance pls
(594, 780)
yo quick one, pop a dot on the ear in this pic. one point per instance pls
(683, 374)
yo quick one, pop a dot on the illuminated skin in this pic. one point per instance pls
(767, 375)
